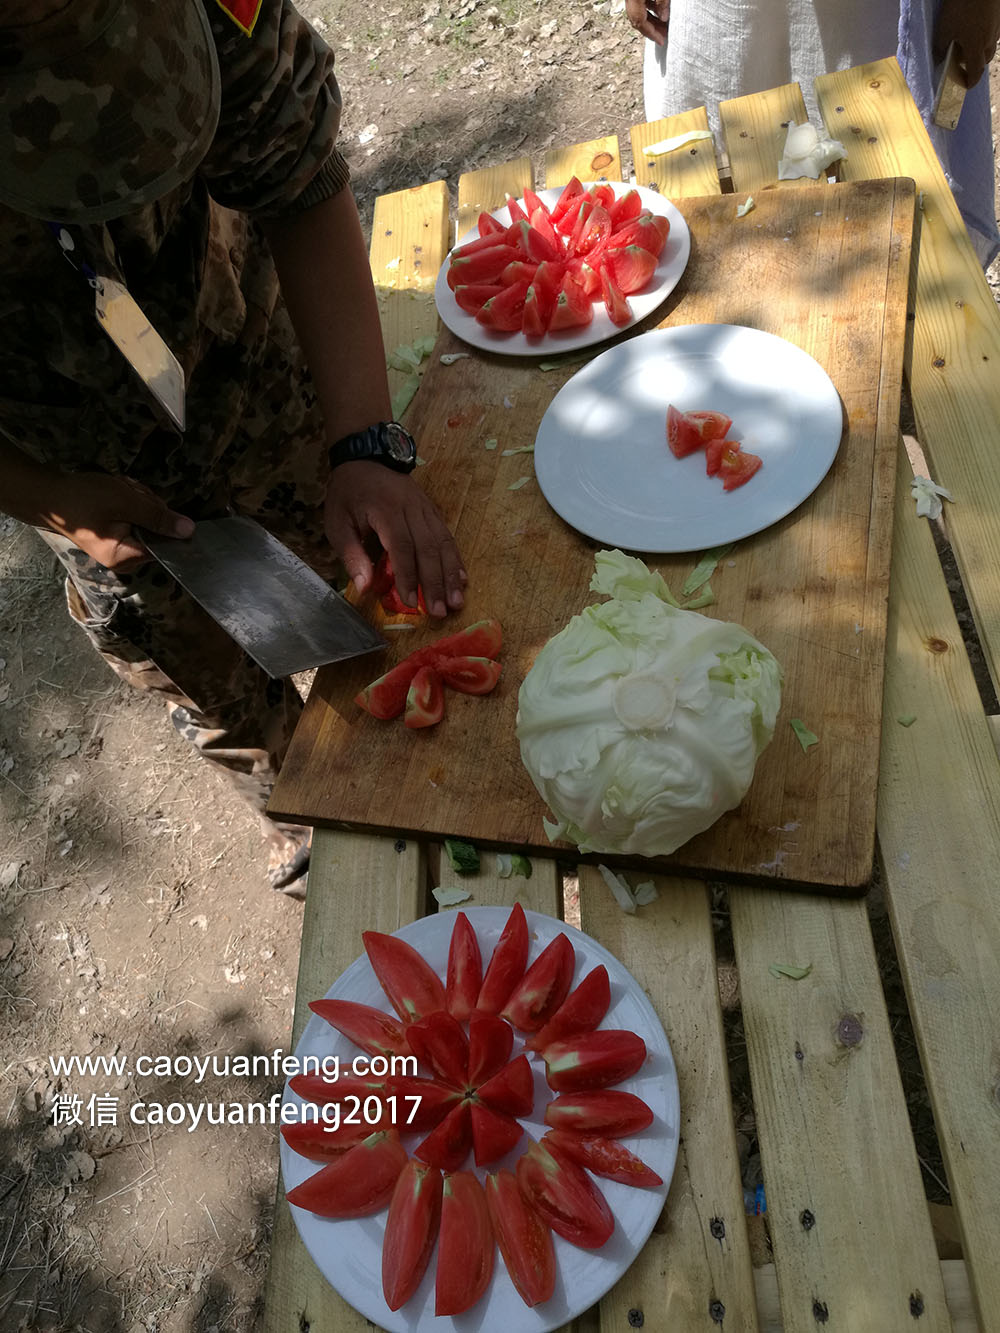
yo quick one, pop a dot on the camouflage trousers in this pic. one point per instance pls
(156, 637)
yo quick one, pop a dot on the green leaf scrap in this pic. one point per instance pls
(806, 737)
(907, 720)
(704, 569)
(789, 970)
(451, 897)
(462, 856)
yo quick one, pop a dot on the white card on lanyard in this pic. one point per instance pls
(143, 348)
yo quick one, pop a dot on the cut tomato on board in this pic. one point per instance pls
(411, 1230)
(470, 675)
(525, 1240)
(565, 1196)
(512, 1090)
(424, 699)
(466, 1245)
(581, 1011)
(491, 1041)
(543, 987)
(385, 698)
(593, 1060)
(465, 971)
(483, 639)
(603, 1156)
(610, 1112)
(358, 1183)
(371, 1029)
(411, 985)
(494, 1134)
(506, 966)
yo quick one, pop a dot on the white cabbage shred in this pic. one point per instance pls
(640, 723)
(806, 154)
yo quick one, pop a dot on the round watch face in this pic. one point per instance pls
(399, 443)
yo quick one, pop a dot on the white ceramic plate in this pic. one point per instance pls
(601, 455)
(349, 1253)
(671, 264)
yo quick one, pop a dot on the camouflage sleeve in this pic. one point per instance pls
(273, 152)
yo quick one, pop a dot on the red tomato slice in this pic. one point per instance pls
(532, 203)
(506, 311)
(483, 266)
(472, 296)
(525, 1240)
(624, 209)
(565, 1196)
(605, 1157)
(517, 213)
(358, 1183)
(493, 1133)
(465, 969)
(542, 224)
(631, 266)
(491, 1041)
(647, 230)
(581, 1011)
(384, 587)
(412, 986)
(448, 1145)
(474, 247)
(424, 699)
(587, 275)
(593, 1060)
(385, 698)
(411, 1230)
(579, 219)
(571, 192)
(713, 455)
(471, 675)
(542, 243)
(537, 313)
(421, 1103)
(543, 988)
(326, 1142)
(737, 467)
(488, 225)
(329, 1091)
(602, 193)
(369, 1028)
(615, 303)
(709, 425)
(573, 308)
(594, 234)
(611, 1112)
(466, 1245)
(512, 1090)
(518, 270)
(483, 639)
(439, 1040)
(548, 278)
(506, 967)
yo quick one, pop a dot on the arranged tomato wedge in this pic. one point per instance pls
(512, 1090)
(369, 1028)
(602, 193)
(610, 1112)
(421, 1103)
(624, 209)
(647, 230)
(481, 243)
(593, 1060)
(491, 1041)
(473, 295)
(506, 967)
(615, 303)
(448, 1145)
(572, 191)
(581, 1011)
(494, 1134)
(565, 1196)
(465, 972)
(424, 699)
(470, 675)
(488, 224)
(411, 985)
(533, 203)
(506, 311)
(604, 1156)
(525, 1240)
(737, 467)
(411, 1230)
(358, 1183)
(466, 1245)
(326, 1142)
(573, 308)
(543, 987)
(519, 270)
(542, 223)
(439, 1040)
(517, 213)
(484, 266)
(594, 230)
(331, 1091)
(630, 265)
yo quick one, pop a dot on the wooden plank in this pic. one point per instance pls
(340, 904)
(596, 160)
(694, 1272)
(482, 191)
(410, 238)
(956, 327)
(939, 832)
(541, 893)
(690, 170)
(802, 587)
(845, 1202)
(754, 130)
(956, 1290)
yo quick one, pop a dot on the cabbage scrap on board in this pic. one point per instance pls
(640, 723)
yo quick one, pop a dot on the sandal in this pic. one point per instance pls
(289, 868)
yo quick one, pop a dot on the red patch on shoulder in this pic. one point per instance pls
(244, 13)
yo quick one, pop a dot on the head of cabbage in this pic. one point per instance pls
(640, 723)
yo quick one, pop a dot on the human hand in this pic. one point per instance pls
(974, 27)
(98, 512)
(650, 17)
(366, 498)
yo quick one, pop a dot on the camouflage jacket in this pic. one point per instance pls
(197, 264)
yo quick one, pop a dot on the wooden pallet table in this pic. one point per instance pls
(853, 1245)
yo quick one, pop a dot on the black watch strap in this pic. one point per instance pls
(386, 442)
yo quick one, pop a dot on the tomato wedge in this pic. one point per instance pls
(465, 970)
(326, 1142)
(532, 203)
(483, 266)
(593, 1059)
(439, 1040)
(358, 1183)
(615, 303)
(424, 699)
(369, 1028)
(385, 698)
(737, 467)
(412, 986)
(491, 1041)
(517, 213)
(624, 209)
(543, 987)
(512, 1090)
(472, 296)
(573, 308)
(483, 639)
(448, 1145)
(581, 1011)
(631, 267)
(493, 1133)
(525, 1240)
(605, 1157)
(470, 675)
(410, 1231)
(689, 431)
(466, 1245)
(506, 311)
(610, 1112)
(488, 224)
(506, 967)
(572, 192)
(330, 1091)
(565, 1196)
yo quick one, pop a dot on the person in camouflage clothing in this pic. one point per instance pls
(187, 149)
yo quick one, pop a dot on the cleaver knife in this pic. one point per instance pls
(276, 608)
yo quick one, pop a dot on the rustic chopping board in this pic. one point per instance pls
(827, 269)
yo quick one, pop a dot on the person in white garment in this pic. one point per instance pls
(700, 54)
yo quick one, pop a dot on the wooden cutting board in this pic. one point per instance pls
(827, 269)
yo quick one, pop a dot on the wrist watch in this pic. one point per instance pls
(386, 442)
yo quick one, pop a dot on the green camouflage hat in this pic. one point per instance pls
(105, 105)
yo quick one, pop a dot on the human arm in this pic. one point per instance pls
(96, 511)
(974, 26)
(323, 269)
(649, 17)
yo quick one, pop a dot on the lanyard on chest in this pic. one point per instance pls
(123, 321)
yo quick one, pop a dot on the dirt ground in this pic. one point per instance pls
(134, 914)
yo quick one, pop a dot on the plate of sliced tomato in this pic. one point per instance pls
(465, 1201)
(563, 269)
(629, 452)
